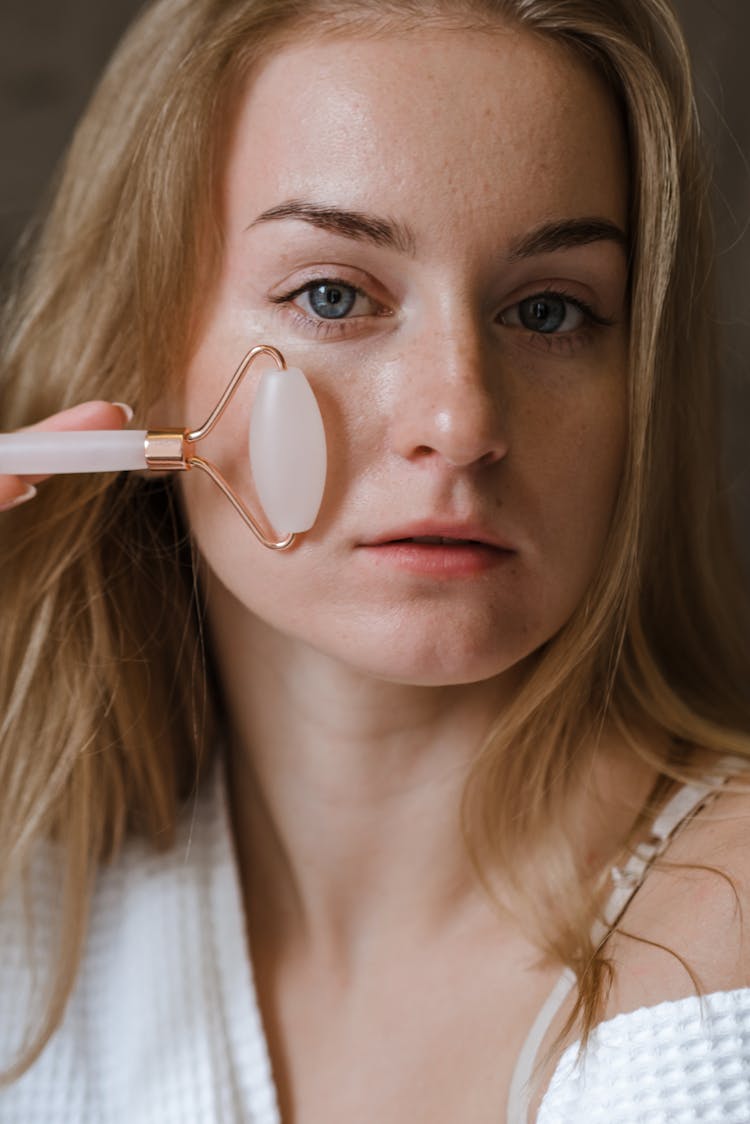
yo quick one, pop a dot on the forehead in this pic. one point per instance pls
(433, 127)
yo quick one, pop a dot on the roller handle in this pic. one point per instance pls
(37, 453)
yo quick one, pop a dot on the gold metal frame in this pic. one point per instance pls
(167, 449)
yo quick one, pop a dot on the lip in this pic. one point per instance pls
(476, 550)
(464, 532)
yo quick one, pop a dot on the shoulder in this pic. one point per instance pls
(688, 1059)
(135, 894)
(690, 921)
(144, 989)
(674, 1037)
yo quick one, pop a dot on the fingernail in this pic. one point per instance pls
(27, 494)
(127, 410)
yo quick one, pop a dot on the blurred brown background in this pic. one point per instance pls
(52, 50)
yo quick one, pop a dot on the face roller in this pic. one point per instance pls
(287, 450)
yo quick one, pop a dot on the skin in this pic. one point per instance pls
(15, 490)
(358, 693)
(431, 407)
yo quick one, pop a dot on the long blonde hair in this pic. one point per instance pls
(107, 707)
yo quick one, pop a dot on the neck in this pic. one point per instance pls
(346, 795)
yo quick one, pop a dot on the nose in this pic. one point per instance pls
(449, 402)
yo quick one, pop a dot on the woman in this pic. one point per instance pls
(409, 756)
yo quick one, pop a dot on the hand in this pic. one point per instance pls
(15, 490)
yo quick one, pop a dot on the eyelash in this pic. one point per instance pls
(320, 326)
(324, 328)
(563, 340)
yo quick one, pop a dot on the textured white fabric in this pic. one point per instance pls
(626, 880)
(683, 1062)
(163, 1026)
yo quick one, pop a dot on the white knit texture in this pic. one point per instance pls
(163, 1026)
(681, 1062)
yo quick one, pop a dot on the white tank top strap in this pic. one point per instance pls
(518, 1094)
(688, 800)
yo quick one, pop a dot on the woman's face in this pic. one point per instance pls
(432, 226)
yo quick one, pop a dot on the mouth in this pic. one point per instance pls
(431, 532)
(439, 540)
(439, 552)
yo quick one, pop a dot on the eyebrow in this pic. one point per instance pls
(352, 224)
(565, 234)
(545, 239)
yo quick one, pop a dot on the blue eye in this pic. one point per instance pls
(327, 300)
(332, 301)
(551, 313)
(545, 313)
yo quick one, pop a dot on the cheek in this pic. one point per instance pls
(235, 565)
(271, 584)
(225, 544)
(579, 469)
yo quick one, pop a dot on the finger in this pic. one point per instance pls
(87, 415)
(15, 490)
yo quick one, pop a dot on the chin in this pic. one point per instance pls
(444, 661)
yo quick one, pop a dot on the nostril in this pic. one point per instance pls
(458, 459)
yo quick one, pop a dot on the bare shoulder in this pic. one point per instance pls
(692, 914)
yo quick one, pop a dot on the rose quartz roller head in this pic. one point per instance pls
(287, 450)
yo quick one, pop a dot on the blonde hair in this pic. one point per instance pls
(107, 307)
